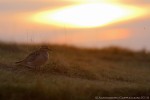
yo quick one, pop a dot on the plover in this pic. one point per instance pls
(36, 59)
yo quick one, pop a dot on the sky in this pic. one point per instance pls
(81, 23)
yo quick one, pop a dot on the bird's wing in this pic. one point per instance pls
(31, 57)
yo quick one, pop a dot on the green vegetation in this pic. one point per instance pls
(74, 74)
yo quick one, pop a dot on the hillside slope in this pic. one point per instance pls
(74, 74)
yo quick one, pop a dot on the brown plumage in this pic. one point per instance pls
(36, 59)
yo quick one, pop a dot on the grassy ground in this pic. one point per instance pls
(74, 74)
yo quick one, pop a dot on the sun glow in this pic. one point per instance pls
(108, 35)
(87, 15)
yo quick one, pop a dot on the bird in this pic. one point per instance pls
(36, 59)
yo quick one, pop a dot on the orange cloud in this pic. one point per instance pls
(108, 35)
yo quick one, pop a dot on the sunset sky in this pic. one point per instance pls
(82, 23)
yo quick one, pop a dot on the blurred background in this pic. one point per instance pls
(81, 23)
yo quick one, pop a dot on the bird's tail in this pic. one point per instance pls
(19, 62)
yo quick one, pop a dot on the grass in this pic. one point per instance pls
(74, 74)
